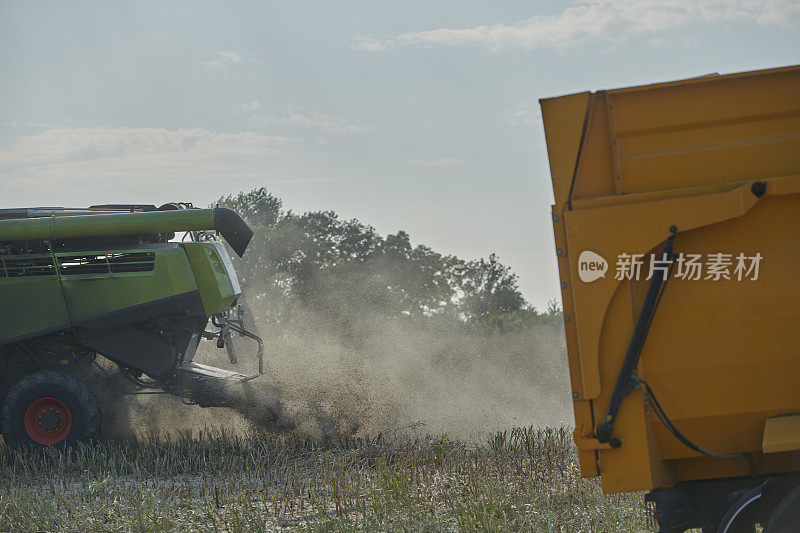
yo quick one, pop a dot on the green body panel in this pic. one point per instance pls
(90, 295)
(106, 225)
(57, 298)
(90, 278)
(39, 301)
(31, 303)
(216, 289)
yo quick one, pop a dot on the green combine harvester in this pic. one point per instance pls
(113, 281)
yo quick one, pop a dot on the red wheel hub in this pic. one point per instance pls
(48, 421)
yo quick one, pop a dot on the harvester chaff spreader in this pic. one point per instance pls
(112, 281)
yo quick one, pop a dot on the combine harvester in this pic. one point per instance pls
(109, 281)
(677, 228)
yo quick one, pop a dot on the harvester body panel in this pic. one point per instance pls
(29, 284)
(115, 283)
(145, 276)
(88, 286)
(215, 276)
(708, 169)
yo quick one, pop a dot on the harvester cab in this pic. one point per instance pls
(113, 281)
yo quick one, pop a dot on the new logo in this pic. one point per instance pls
(591, 266)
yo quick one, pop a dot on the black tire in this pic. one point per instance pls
(786, 516)
(49, 408)
(741, 516)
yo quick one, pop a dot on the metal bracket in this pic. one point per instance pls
(625, 381)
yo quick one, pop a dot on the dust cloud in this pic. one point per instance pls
(372, 375)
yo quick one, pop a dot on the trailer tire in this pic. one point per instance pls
(786, 515)
(49, 409)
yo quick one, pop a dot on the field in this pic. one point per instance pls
(523, 479)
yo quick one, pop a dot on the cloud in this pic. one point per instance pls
(230, 57)
(783, 13)
(371, 44)
(526, 114)
(437, 162)
(596, 21)
(252, 106)
(110, 157)
(313, 120)
(64, 143)
(221, 60)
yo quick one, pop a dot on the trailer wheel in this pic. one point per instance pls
(49, 408)
(786, 515)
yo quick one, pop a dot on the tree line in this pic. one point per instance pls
(343, 268)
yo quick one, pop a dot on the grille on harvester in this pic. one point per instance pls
(28, 266)
(107, 263)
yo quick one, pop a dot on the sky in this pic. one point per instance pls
(419, 116)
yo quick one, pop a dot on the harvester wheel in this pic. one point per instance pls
(49, 408)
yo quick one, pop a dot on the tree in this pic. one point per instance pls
(487, 287)
(258, 207)
(344, 269)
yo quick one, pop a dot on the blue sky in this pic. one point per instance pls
(419, 116)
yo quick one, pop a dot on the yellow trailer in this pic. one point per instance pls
(677, 228)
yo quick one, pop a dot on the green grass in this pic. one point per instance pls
(523, 479)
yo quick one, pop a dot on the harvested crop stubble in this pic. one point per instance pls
(522, 479)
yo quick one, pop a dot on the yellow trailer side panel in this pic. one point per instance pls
(718, 159)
